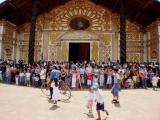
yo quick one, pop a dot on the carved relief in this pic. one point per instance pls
(134, 42)
(153, 44)
(134, 57)
(102, 23)
(115, 22)
(107, 39)
(64, 51)
(98, 17)
(95, 49)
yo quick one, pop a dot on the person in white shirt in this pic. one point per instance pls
(155, 81)
(43, 74)
(99, 98)
(82, 72)
(28, 76)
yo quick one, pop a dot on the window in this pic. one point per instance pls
(79, 23)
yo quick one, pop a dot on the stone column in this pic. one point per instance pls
(1, 42)
(145, 47)
(159, 42)
(1, 47)
(32, 32)
(45, 43)
(17, 52)
(115, 47)
(122, 32)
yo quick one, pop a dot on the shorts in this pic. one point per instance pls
(100, 106)
(89, 82)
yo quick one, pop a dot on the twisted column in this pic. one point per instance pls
(122, 32)
(32, 33)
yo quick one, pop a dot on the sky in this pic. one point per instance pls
(1, 1)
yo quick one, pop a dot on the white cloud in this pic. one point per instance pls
(1, 1)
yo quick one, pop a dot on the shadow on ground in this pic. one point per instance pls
(54, 107)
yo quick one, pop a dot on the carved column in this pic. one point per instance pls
(145, 47)
(32, 32)
(115, 47)
(1, 42)
(1, 47)
(45, 45)
(122, 32)
(159, 41)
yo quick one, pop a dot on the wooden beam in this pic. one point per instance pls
(139, 12)
(41, 6)
(22, 13)
(115, 5)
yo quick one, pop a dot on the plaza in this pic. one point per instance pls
(24, 103)
(112, 43)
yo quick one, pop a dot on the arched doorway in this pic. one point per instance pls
(79, 52)
(78, 46)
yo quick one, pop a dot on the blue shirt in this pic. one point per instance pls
(55, 74)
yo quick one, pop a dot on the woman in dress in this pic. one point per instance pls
(101, 78)
(109, 78)
(73, 73)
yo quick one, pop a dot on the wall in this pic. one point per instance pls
(153, 42)
(8, 38)
(51, 27)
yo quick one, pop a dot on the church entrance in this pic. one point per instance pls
(79, 52)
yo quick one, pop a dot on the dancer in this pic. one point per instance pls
(99, 99)
(116, 87)
(56, 92)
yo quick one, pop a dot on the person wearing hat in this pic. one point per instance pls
(99, 99)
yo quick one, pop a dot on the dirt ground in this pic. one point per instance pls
(23, 103)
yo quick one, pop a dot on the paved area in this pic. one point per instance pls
(23, 103)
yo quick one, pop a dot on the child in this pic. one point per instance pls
(101, 77)
(90, 101)
(99, 98)
(0, 75)
(36, 80)
(17, 79)
(154, 82)
(56, 92)
(130, 83)
(95, 79)
(116, 87)
(134, 77)
(22, 78)
(28, 75)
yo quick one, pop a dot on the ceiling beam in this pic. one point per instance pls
(41, 6)
(139, 12)
(115, 5)
(22, 13)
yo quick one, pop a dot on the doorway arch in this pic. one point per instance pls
(79, 37)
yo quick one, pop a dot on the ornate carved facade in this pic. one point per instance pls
(153, 34)
(8, 40)
(53, 34)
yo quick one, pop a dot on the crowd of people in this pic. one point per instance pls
(114, 76)
(82, 75)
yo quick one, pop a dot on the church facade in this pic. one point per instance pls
(91, 28)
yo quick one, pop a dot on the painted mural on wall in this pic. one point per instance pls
(53, 25)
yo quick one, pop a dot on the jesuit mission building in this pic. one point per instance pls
(77, 30)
